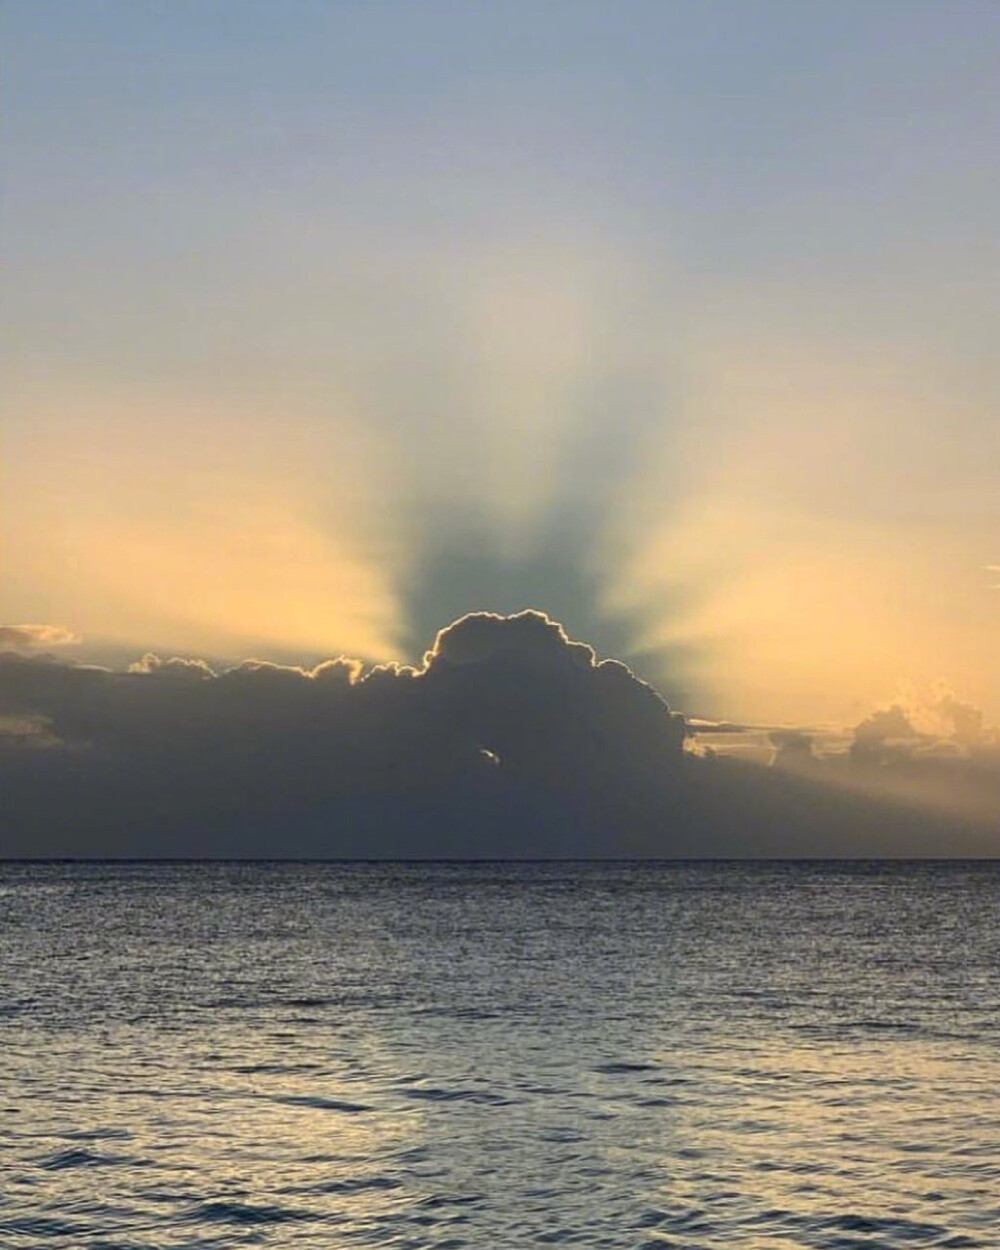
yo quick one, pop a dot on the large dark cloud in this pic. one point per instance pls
(510, 740)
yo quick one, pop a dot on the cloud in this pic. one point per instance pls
(938, 724)
(481, 636)
(34, 637)
(25, 731)
(886, 730)
(965, 721)
(929, 754)
(511, 739)
(175, 666)
(791, 745)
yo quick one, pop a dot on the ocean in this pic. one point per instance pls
(499, 1055)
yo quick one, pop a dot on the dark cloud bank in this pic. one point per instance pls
(511, 740)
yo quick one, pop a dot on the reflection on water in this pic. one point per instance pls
(499, 1055)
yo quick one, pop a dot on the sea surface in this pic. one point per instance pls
(497, 1055)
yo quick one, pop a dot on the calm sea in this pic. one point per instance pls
(613, 1055)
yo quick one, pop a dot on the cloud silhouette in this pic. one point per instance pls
(511, 739)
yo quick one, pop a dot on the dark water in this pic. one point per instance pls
(499, 1056)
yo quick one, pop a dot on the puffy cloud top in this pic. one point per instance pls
(529, 635)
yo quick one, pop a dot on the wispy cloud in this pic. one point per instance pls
(35, 637)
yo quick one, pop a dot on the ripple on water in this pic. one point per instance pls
(76, 1158)
(244, 1213)
(703, 1057)
(101, 1133)
(480, 1097)
(894, 1230)
(321, 1103)
(624, 1068)
(351, 1185)
(41, 1226)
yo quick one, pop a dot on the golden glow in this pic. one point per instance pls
(797, 618)
(249, 579)
(794, 559)
(220, 538)
(803, 526)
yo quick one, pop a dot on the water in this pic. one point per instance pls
(499, 1055)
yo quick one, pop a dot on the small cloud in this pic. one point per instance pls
(934, 723)
(343, 671)
(890, 724)
(35, 637)
(175, 666)
(791, 746)
(26, 730)
(993, 568)
(478, 635)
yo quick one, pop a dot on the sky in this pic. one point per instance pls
(326, 324)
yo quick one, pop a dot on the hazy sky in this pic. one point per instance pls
(327, 322)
